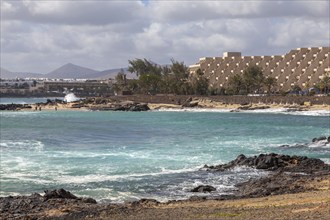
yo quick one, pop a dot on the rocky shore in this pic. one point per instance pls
(134, 103)
(14, 107)
(305, 178)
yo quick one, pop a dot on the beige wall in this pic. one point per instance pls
(302, 66)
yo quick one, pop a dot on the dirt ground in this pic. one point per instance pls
(309, 205)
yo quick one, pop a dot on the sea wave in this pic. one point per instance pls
(269, 110)
(192, 110)
(22, 145)
(133, 176)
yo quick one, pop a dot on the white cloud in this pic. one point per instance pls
(42, 35)
(300, 33)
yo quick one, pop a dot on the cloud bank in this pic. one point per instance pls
(39, 36)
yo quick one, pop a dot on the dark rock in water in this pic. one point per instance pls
(274, 162)
(320, 139)
(14, 107)
(295, 109)
(59, 193)
(284, 145)
(249, 107)
(204, 189)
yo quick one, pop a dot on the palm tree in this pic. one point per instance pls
(235, 83)
(324, 84)
(253, 78)
(269, 82)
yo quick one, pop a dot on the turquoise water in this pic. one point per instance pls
(27, 100)
(118, 156)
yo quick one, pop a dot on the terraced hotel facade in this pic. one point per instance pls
(302, 66)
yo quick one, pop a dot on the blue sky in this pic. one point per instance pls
(39, 36)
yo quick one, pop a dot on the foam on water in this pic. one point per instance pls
(270, 110)
(192, 110)
(320, 144)
(71, 98)
(22, 145)
(120, 156)
(101, 178)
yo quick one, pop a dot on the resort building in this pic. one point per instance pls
(303, 67)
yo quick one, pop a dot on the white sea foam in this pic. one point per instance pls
(320, 144)
(101, 177)
(269, 110)
(9, 114)
(310, 113)
(192, 110)
(71, 98)
(326, 160)
(23, 144)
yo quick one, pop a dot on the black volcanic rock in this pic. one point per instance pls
(203, 188)
(21, 207)
(274, 162)
(14, 107)
(59, 193)
(320, 138)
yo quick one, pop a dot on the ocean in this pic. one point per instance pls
(124, 156)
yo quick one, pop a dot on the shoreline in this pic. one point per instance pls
(296, 186)
(194, 105)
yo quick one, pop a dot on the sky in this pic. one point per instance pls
(40, 36)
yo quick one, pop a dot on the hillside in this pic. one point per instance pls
(112, 73)
(70, 71)
(6, 74)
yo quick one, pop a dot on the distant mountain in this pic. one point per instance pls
(70, 71)
(6, 74)
(112, 73)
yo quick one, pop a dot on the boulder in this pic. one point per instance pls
(274, 161)
(14, 107)
(203, 189)
(59, 193)
(320, 138)
(190, 103)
